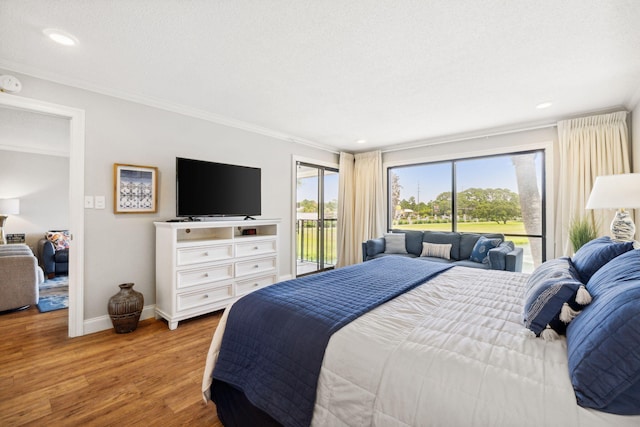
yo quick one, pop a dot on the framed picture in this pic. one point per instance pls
(135, 189)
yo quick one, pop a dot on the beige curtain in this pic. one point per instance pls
(589, 147)
(346, 251)
(361, 193)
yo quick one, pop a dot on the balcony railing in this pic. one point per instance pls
(307, 241)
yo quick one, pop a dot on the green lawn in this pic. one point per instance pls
(511, 227)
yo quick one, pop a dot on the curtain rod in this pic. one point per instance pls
(447, 141)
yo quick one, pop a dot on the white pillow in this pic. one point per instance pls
(394, 243)
(436, 250)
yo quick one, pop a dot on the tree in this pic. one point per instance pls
(530, 201)
(395, 191)
(309, 206)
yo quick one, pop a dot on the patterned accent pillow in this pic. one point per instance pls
(554, 296)
(436, 250)
(61, 239)
(480, 252)
(395, 243)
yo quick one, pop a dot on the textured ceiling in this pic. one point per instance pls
(332, 72)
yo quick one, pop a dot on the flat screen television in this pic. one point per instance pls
(216, 189)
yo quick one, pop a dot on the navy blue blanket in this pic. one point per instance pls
(275, 338)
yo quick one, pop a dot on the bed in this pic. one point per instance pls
(453, 350)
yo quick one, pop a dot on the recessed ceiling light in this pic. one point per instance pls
(544, 105)
(61, 37)
(361, 141)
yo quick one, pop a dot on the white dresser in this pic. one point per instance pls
(203, 266)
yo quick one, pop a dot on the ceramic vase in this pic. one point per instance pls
(125, 309)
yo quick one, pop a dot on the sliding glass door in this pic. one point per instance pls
(316, 217)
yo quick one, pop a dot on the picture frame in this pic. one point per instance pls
(135, 189)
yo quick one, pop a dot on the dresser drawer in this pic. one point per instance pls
(198, 254)
(250, 285)
(199, 276)
(255, 266)
(204, 297)
(258, 247)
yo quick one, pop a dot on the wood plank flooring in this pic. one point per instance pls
(151, 376)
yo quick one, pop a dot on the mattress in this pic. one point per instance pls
(451, 352)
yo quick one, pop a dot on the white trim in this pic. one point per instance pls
(35, 150)
(162, 105)
(76, 191)
(103, 323)
(294, 198)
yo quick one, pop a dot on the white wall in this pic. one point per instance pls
(41, 182)
(120, 248)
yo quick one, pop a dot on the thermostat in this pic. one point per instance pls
(10, 84)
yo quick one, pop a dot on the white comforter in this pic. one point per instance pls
(452, 352)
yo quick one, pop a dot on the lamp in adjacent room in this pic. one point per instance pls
(7, 207)
(617, 192)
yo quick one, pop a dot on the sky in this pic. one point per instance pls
(426, 181)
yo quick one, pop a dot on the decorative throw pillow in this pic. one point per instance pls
(436, 250)
(554, 297)
(60, 239)
(394, 243)
(480, 252)
(596, 253)
(603, 343)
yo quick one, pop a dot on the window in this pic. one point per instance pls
(493, 194)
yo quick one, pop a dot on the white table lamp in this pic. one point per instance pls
(617, 192)
(7, 207)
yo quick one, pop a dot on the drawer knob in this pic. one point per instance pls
(256, 266)
(206, 296)
(255, 285)
(256, 248)
(206, 274)
(206, 254)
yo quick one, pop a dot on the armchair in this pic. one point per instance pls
(20, 277)
(53, 253)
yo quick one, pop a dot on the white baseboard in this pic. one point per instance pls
(102, 323)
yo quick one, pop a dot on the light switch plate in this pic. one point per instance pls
(88, 202)
(99, 202)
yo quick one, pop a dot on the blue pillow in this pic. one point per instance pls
(480, 252)
(596, 253)
(603, 343)
(554, 296)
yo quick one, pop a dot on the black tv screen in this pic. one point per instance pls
(216, 189)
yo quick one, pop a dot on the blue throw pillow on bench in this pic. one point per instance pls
(480, 252)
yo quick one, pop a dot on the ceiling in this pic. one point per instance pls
(329, 73)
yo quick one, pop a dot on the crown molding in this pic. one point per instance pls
(35, 150)
(161, 105)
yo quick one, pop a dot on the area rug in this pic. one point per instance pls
(54, 294)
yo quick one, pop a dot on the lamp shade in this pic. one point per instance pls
(9, 206)
(615, 192)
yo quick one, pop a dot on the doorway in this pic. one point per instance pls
(76, 195)
(316, 218)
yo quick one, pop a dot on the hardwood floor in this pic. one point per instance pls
(151, 376)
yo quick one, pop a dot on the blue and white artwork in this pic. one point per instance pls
(136, 190)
